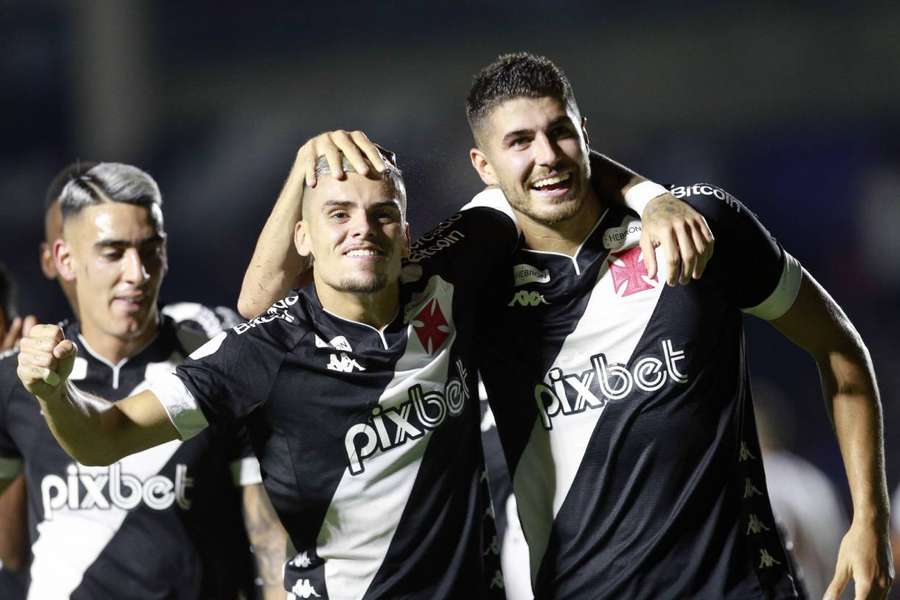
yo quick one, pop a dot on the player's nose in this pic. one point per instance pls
(133, 268)
(546, 152)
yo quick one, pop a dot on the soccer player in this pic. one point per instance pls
(164, 523)
(624, 405)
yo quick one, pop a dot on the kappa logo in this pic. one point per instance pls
(344, 364)
(527, 298)
(109, 487)
(301, 560)
(304, 589)
(629, 272)
(431, 326)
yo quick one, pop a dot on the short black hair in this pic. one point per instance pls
(518, 75)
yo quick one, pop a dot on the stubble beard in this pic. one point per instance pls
(363, 285)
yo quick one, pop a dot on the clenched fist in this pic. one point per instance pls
(45, 361)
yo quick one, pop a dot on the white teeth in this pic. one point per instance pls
(540, 183)
(362, 253)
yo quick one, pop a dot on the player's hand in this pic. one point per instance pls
(864, 556)
(354, 145)
(45, 361)
(683, 235)
(17, 329)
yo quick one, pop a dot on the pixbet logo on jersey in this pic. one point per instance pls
(392, 427)
(123, 490)
(572, 393)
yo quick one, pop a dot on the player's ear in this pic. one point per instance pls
(301, 239)
(63, 259)
(483, 166)
(406, 239)
(584, 132)
(48, 264)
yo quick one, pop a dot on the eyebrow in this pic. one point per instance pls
(348, 203)
(563, 119)
(157, 238)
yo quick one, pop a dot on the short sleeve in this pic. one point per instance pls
(227, 378)
(470, 246)
(759, 276)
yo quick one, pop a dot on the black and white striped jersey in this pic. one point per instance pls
(164, 523)
(624, 410)
(368, 439)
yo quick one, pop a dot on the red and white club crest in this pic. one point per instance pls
(431, 326)
(629, 272)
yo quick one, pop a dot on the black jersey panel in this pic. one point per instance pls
(747, 258)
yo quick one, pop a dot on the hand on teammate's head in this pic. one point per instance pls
(339, 146)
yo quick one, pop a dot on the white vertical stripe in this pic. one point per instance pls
(612, 325)
(366, 508)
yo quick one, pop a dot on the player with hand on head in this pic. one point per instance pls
(357, 392)
(161, 523)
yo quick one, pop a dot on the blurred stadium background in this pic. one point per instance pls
(793, 107)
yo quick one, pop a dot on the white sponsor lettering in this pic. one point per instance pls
(527, 298)
(389, 428)
(435, 240)
(341, 343)
(524, 274)
(122, 490)
(615, 238)
(612, 381)
(682, 191)
(277, 311)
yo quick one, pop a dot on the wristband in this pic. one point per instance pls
(640, 195)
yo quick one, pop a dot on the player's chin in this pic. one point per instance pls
(364, 283)
(558, 211)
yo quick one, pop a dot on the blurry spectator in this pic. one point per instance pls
(804, 500)
(13, 512)
(12, 326)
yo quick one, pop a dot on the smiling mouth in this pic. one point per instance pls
(132, 303)
(364, 253)
(553, 185)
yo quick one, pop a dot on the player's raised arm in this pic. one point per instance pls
(90, 430)
(816, 323)
(275, 267)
